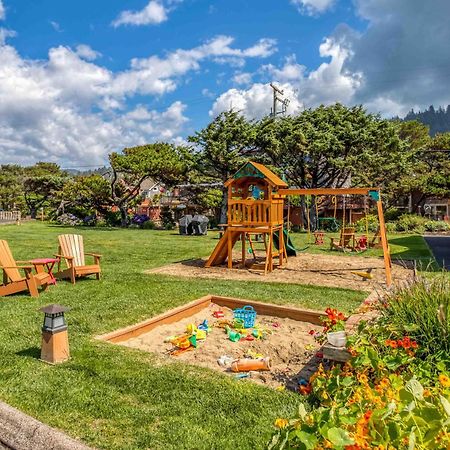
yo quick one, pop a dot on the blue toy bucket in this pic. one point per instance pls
(247, 314)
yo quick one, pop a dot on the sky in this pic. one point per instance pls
(80, 79)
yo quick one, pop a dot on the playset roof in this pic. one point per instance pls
(256, 170)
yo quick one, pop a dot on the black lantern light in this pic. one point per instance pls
(54, 320)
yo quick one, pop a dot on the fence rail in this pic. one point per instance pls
(9, 216)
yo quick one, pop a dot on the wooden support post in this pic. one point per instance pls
(384, 242)
(230, 250)
(243, 239)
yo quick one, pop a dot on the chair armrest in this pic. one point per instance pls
(63, 257)
(95, 255)
(16, 267)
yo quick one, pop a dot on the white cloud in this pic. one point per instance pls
(254, 102)
(313, 7)
(154, 13)
(2, 11)
(156, 75)
(86, 52)
(56, 26)
(242, 78)
(71, 110)
(329, 83)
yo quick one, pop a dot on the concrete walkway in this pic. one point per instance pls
(19, 431)
(440, 246)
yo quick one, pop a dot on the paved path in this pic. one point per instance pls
(440, 246)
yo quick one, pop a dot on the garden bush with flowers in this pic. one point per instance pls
(394, 392)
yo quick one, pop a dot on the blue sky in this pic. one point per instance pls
(82, 78)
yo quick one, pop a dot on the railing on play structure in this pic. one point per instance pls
(255, 212)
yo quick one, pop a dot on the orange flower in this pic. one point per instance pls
(444, 380)
(305, 390)
(281, 423)
(362, 378)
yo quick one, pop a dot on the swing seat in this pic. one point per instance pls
(347, 240)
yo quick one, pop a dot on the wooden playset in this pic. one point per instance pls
(256, 207)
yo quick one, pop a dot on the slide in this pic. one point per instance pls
(290, 249)
(220, 253)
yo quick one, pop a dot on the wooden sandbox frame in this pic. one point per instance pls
(191, 308)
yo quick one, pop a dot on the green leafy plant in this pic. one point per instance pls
(422, 309)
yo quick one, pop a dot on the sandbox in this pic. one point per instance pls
(288, 342)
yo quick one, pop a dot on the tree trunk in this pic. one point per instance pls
(223, 207)
(123, 215)
(33, 212)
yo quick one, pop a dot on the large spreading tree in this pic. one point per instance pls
(221, 149)
(162, 162)
(42, 185)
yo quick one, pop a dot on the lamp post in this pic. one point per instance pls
(55, 341)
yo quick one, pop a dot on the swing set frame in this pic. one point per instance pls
(375, 194)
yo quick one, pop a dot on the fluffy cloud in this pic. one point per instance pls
(2, 11)
(70, 110)
(254, 102)
(154, 13)
(46, 112)
(156, 75)
(329, 83)
(242, 78)
(401, 67)
(86, 52)
(313, 7)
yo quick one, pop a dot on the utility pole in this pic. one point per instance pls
(278, 98)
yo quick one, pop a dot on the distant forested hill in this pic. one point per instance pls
(437, 119)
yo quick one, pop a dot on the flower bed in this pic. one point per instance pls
(392, 394)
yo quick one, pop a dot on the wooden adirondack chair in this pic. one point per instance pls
(13, 281)
(71, 249)
(347, 239)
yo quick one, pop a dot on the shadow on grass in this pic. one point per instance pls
(32, 352)
(415, 250)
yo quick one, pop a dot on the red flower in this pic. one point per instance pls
(305, 390)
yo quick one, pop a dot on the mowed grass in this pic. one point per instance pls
(117, 398)
(402, 246)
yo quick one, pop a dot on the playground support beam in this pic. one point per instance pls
(354, 191)
(327, 191)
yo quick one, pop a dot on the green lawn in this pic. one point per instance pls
(403, 246)
(117, 398)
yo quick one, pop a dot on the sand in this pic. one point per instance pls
(331, 270)
(290, 347)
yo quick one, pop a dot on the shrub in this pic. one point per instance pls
(411, 222)
(167, 218)
(391, 227)
(436, 226)
(372, 224)
(139, 219)
(90, 221)
(112, 218)
(392, 214)
(423, 310)
(149, 225)
(69, 220)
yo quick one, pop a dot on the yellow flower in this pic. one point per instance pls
(281, 423)
(444, 380)
(362, 378)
